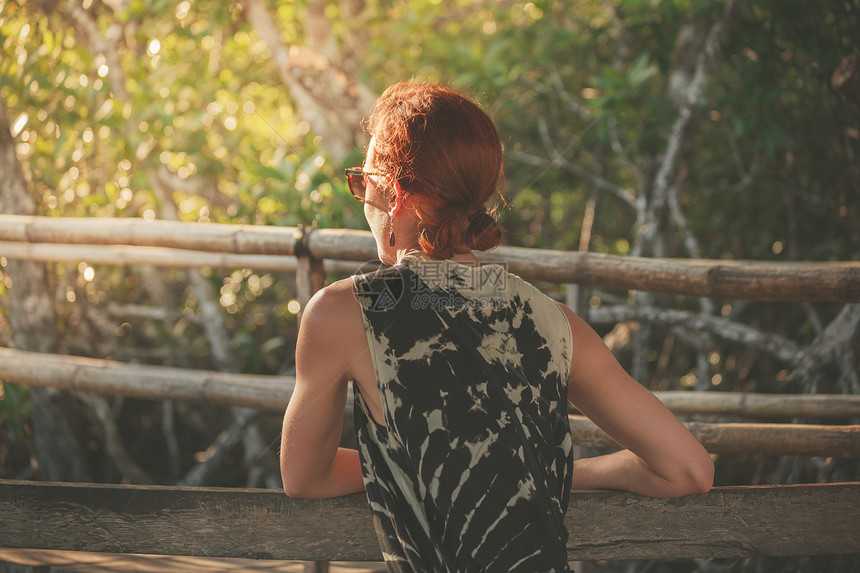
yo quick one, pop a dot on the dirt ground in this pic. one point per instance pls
(41, 561)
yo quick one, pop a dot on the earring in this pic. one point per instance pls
(391, 238)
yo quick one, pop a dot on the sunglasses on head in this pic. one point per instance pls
(355, 177)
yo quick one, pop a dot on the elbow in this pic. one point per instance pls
(691, 477)
(297, 489)
(295, 485)
(700, 476)
(293, 489)
(296, 492)
(706, 482)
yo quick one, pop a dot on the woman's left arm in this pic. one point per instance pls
(312, 463)
(661, 458)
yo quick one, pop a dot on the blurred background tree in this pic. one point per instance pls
(634, 127)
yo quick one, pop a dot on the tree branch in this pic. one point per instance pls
(835, 345)
(330, 100)
(705, 66)
(782, 348)
(595, 180)
(112, 441)
(203, 472)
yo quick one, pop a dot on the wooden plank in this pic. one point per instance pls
(750, 280)
(727, 522)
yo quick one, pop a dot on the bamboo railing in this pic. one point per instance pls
(271, 393)
(174, 244)
(824, 282)
(727, 522)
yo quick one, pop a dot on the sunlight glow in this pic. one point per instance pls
(19, 124)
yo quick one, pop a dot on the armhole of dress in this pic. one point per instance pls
(536, 292)
(569, 347)
(373, 356)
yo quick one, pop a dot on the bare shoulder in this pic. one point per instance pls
(336, 301)
(332, 328)
(578, 327)
(588, 347)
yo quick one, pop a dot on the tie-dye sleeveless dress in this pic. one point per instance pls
(471, 468)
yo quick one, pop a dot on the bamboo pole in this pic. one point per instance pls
(762, 406)
(75, 373)
(124, 255)
(271, 393)
(212, 237)
(743, 438)
(749, 280)
(791, 281)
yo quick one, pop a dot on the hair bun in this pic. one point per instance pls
(477, 214)
(483, 231)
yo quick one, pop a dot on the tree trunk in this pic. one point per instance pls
(317, 75)
(31, 314)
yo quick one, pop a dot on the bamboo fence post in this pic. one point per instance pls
(310, 272)
(310, 276)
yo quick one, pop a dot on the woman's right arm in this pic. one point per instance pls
(661, 458)
(330, 338)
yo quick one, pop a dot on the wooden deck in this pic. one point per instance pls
(45, 561)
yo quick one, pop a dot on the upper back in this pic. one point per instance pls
(471, 368)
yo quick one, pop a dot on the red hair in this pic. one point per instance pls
(445, 150)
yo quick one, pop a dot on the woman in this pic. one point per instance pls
(461, 371)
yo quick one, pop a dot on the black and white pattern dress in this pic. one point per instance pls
(471, 469)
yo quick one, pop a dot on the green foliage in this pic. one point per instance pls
(585, 80)
(583, 92)
(14, 407)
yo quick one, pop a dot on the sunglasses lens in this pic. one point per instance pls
(355, 179)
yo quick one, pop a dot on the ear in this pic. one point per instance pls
(398, 201)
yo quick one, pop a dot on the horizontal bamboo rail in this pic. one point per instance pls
(763, 406)
(727, 522)
(271, 393)
(746, 438)
(123, 255)
(263, 392)
(769, 281)
(75, 373)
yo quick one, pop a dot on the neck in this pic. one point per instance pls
(467, 258)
